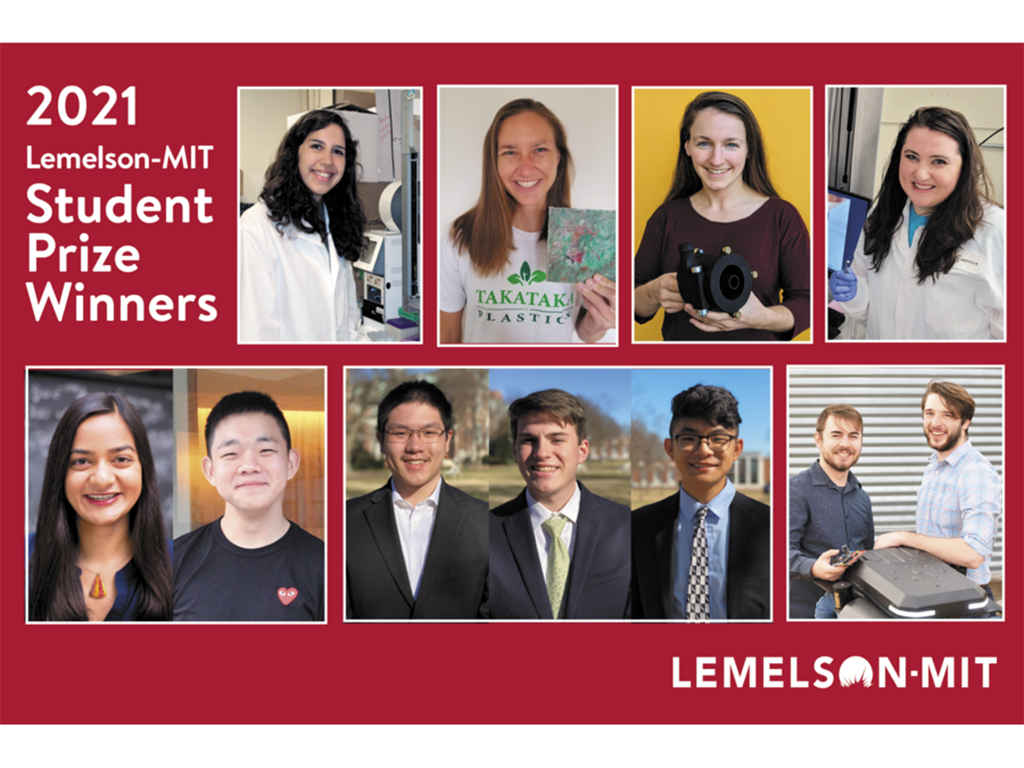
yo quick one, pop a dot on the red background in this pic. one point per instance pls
(186, 94)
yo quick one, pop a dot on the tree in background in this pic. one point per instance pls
(466, 389)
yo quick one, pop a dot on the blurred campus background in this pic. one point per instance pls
(628, 414)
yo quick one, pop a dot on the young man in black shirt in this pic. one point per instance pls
(252, 564)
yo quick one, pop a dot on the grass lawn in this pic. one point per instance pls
(498, 484)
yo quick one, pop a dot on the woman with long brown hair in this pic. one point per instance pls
(493, 260)
(931, 259)
(100, 551)
(722, 196)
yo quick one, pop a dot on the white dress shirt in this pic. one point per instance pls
(415, 526)
(539, 513)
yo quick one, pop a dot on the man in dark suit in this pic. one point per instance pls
(557, 550)
(703, 553)
(416, 548)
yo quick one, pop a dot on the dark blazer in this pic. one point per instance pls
(454, 583)
(598, 585)
(748, 583)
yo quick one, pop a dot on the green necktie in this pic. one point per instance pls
(558, 565)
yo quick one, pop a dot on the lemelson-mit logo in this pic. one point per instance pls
(544, 305)
(825, 671)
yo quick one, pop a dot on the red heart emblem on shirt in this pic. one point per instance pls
(287, 594)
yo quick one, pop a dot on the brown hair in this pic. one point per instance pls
(955, 397)
(560, 406)
(686, 182)
(840, 411)
(484, 232)
(954, 221)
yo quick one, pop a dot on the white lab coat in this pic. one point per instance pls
(293, 288)
(965, 303)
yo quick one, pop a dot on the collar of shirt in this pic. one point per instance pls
(955, 457)
(719, 505)
(717, 526)
(314, 237)
(433, 499)
(539, 513)
(818, 477)
(915, 222)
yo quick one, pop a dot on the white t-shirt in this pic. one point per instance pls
(518, 305)
(292, 287)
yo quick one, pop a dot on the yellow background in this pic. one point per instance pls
(784, 115)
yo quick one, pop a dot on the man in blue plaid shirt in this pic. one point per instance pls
(961, 495)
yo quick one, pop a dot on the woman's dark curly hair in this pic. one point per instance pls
(955, 219)
(291, 203)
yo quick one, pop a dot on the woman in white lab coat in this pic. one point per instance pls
(931, 260)
(299, 242)
(493, 286)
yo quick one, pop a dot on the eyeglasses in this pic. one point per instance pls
(717, 442)
(429, 435)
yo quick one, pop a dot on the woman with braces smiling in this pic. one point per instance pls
(298, 244)
(99, 552)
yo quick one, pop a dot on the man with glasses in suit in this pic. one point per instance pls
(416, 548)
(702, 554)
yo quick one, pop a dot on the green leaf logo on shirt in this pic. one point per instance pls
(526, 276)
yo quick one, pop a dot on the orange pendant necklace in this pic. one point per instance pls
(98, 591)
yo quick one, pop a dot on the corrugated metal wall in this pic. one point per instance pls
(895, 452)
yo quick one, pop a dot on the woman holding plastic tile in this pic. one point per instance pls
(493, 259)
(722, 197)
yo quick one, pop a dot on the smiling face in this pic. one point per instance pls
(703, 471)
(547, 453)
(415, 464)
(104, 476)
(943, 428)
(250, 464)
(527, 161)
(718, 149)
(839, 443)
(322, 160)
(930, 164)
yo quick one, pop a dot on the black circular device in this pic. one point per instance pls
(719, 283)
(729, 282)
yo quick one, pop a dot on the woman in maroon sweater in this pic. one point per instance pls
(722, 196)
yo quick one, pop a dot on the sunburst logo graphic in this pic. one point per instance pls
(855, 672)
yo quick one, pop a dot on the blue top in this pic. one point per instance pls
(717, 524)
(916, 221)
(961, 497)
(126, 583)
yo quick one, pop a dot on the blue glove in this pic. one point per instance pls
(843, 285)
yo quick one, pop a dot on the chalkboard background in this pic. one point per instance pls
(51, 392)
